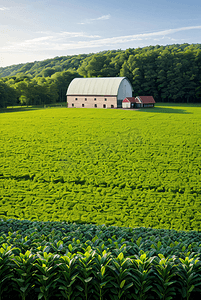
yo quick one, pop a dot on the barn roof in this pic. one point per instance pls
(146, 99)
(95, 86)
(131, 100)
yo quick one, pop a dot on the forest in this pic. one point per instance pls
(169, 73)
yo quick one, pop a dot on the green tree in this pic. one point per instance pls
(61, 82)
(98, 65)
(8, 95)
(47, 72)
(23, 92)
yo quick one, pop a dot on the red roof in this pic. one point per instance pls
(147, 99)
(131, 100)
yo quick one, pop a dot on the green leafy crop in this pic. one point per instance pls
(112, 167)
(57, 260)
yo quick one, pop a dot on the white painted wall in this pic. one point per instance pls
(126, 104)
(125, 90)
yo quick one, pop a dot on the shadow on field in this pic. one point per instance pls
(166, 110)
(31, 107)
(18, 109)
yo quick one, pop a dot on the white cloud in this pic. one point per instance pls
(48, 42)
(122, 39)
(79, 40)
(88, 21)
(77, 34)
(67, 34)
(105, 17)
(4, 8)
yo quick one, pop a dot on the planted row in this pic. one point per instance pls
(96, 275)
(58, 237)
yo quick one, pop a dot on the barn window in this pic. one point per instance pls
(82, 105)
(75, 98)
(95, 105)
(72, 104)
(112, 106)
(94, 99)
(85, 99)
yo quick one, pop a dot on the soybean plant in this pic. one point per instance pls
(67, 273)
(24, 275)
(164, 271)
(121, 281)
(46, 275)
(190, 279)
(5, 268)
(102, 276)
(142, 275)
(86, 274)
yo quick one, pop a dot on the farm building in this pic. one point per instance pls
(137, 102)
(130, 102)
(100, 92)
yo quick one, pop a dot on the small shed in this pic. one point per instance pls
(146, 101)
(130, 102)
(137, 102)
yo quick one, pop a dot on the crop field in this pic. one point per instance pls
(56, 260)
(137, 168)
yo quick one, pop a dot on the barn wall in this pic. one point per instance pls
(125, 89)
(126, 104)
(89, 102)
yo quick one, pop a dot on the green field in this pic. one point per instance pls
(56, 260)
(138, 168)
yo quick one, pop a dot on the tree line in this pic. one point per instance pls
(27, 90)
(169, 73)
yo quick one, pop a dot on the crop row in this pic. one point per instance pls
(96, 275)
(53, 260)
(27, 235)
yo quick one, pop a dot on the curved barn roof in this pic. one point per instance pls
(95, 86)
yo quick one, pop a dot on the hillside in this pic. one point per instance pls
(169, 73)
(73, 62)
(36, 68)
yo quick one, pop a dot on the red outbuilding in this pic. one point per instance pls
(130, 102)
(137, 102)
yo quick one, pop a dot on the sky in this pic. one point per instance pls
(33, 30)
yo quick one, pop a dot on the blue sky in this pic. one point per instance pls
(32, 30)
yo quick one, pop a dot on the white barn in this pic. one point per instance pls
(98, 92)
